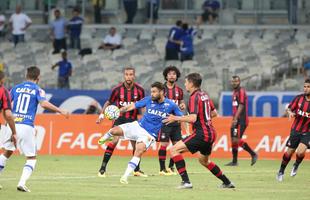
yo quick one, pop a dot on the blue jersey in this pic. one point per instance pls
(75, 26)
(175, 33)
(26, 97)
(188, 41)
(155, 112)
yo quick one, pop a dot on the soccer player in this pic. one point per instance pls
(25, 97)
(201, 110)
(6, 109)
(123, 94)
(240, 122)
(144, 131)
(172, 131)
(299, 139)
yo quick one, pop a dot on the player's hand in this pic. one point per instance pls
(170, 119)
(100, 118)
(14, 140)
(65, 113)
(182, 106)
(291, 115)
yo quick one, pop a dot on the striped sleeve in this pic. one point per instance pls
(242, 95)
(114, 95)
(181, 95)
(6, 100)
(193, 105)
(212, 107)
(293, 105)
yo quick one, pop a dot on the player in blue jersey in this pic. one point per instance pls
(172, 45)
(144, 131)
(25, 99)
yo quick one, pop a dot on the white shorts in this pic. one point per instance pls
(26, 142)
(133, 131)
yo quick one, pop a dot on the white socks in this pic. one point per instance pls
(27, 171)
(133, 163)
(3, 160)
(107, 136)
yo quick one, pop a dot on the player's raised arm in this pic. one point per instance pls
(101, 116)
(130, 107)
(49, 106)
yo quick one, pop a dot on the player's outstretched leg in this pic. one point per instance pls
(180, 165)
(285, 160)
(216, 171)
(105, 138)
(107, 155)
(27, 171)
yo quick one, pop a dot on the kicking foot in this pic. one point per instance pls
(102, 140)
(22, 188)
(294, 170)
(185, 185)
(254, 159)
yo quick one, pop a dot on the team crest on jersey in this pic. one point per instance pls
(166, 104)
(152, 105)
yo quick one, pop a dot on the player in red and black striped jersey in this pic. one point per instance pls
(172, 131)
(5, 107)
(122, 95)
(299, 139)
(201, 110)
(240, 122)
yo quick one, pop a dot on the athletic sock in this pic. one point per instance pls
(3, 160)
(235, 153)
(107, 136)
(107, 155)
(27, 171)
(133, 163)
(246, 147)
(216, 171)
(298, 160)
(171, 163)
(162, 153)
(180, 165)
(285, 160)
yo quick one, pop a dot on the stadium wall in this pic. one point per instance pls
(78, 135)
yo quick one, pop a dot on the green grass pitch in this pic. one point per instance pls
(75, 178)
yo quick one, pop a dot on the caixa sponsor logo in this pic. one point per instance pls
(260, 104)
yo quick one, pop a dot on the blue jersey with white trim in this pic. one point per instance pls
(155, 112)
(26, 97)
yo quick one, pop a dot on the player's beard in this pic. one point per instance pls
(171, 81)
(129, 82)
(155, 98)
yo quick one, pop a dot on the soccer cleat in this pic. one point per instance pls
(123, 180)
(185, 185)
(294, 170)
(254, 159)
(172, 171)
(102, 140)
(140, 173)
(280, 176)
(102, 174)
(164, 173)
(232, 164)
(230, 185)
(22, 188)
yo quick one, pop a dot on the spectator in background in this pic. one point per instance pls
(47, 8)
(187, 43)
(75, 28)
(98, 5)
(58, 32)
(306, 69)
(2, 25)
(172, 46)
(19, 22)
(210, 11)
(64, 72)
(152, 7)
(112, 41)
(93, 108)
(131, 10)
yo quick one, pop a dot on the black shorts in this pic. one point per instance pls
(172, 133)
(122, 120)
(196, 142)
(205, 15)
(172, 54)
(238, 131)
(296, 138)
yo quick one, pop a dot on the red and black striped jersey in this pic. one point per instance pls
(121, 96)
(240, 97)
(200, 104)
(175, 94)
(5, 99)
(301, 107)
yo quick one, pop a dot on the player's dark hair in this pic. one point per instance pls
(307, 80)
(178, 23)
(129, 68)
(236, 77)
(33, 73)
(158, 85)
(2, 75)
(194, 78)
(171, 68)
(185, 26)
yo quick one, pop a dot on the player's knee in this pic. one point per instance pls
(300, 154)
(173, 151)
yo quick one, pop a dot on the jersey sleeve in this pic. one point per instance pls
(293, 105)
(242, 95)
(6, 100)
(176, 110)
(181, 94)
(41, 96)
(212, 107)
(193, 105)
(142, 103)
(142, 93)
(113, 96)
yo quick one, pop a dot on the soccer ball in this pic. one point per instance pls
(111, 112)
